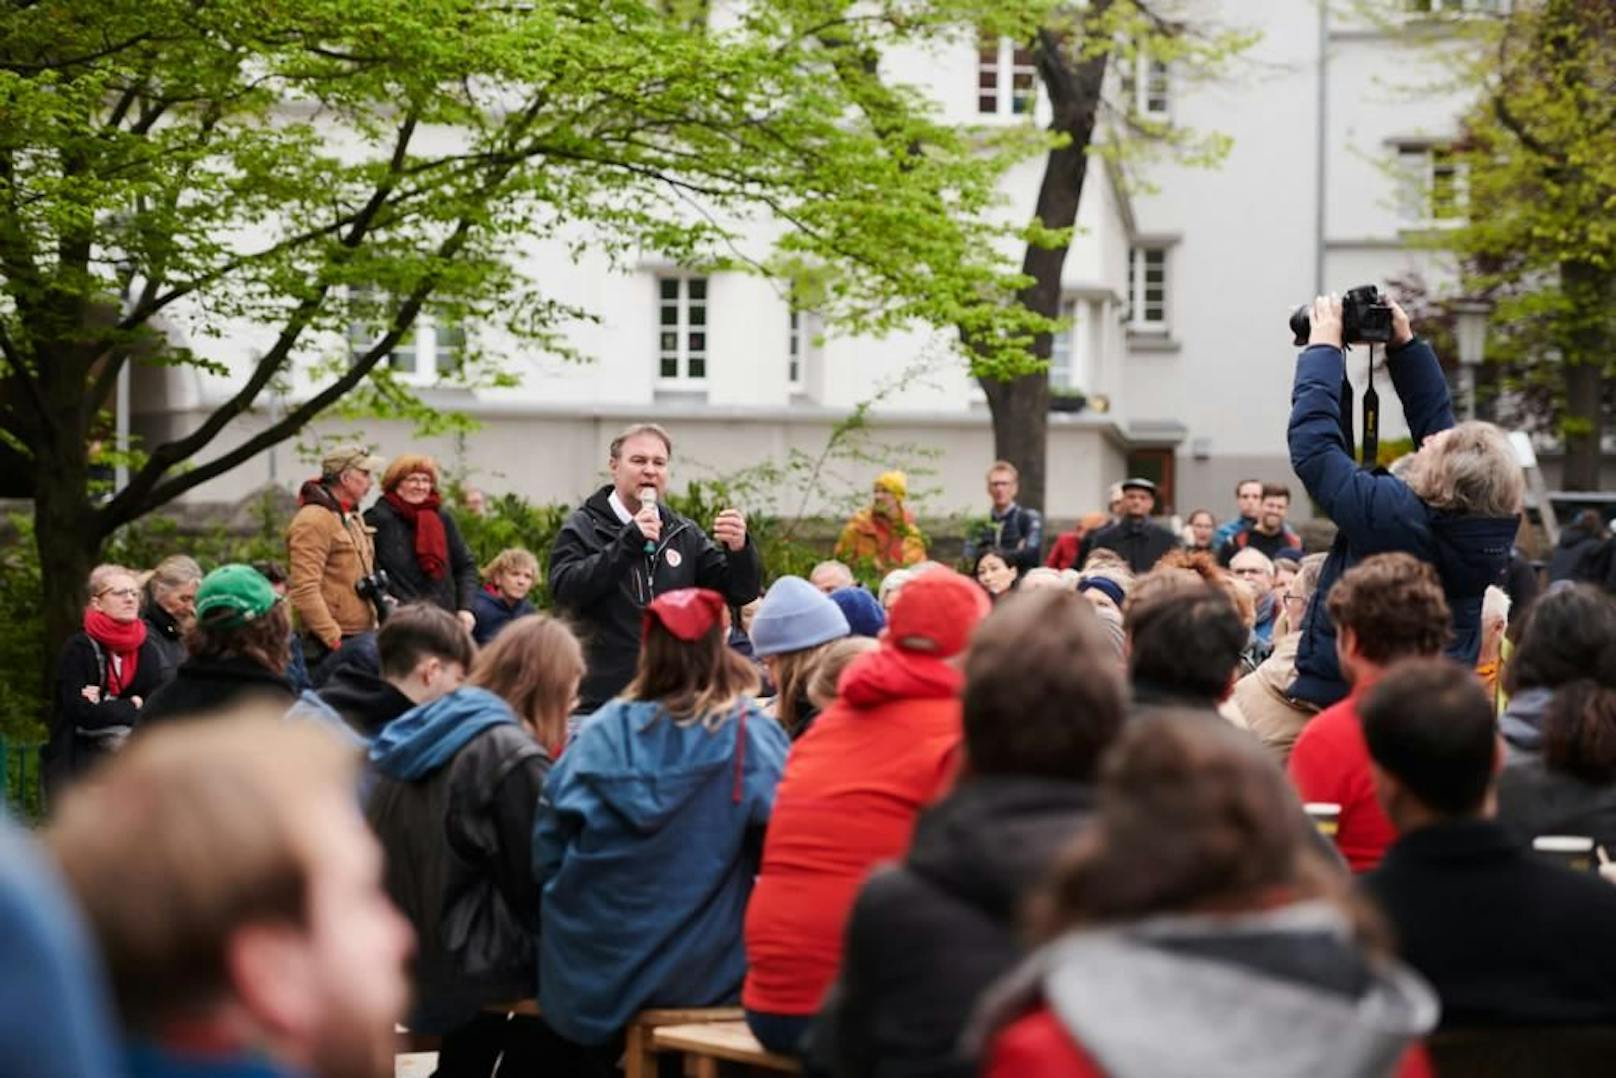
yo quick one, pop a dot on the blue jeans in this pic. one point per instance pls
(780, 1033)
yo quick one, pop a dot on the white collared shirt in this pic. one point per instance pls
(623, 515)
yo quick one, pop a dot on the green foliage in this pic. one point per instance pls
(1540, 170)
(512, 521)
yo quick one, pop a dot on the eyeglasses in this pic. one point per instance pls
(416, 480)
(1250, 572)
(120, 593)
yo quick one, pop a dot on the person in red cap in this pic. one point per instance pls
(853, 788)
(647, 836)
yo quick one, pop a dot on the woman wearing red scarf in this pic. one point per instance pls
(854, 785)
(103, 677)
(417, 543)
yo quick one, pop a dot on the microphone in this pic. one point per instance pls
(648, 497)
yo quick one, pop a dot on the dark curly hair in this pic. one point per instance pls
(1394, 605)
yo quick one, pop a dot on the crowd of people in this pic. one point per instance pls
(1146, 803)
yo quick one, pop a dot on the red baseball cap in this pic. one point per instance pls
(687, 613)
(935, 613)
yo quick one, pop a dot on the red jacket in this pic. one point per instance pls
(1063, 555)
(1038, 1046)
(853, 787)
(1330, 763)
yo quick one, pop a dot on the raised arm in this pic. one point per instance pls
(580, 576)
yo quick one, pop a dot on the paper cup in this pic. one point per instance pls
(1572, 851)
(1326, 816)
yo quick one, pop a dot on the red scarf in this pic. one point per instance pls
(431, 541)
(122, 639)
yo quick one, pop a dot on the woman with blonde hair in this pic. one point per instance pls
(649, 834)
(169, 607)
(457, 785)
(418, 545)
(103, 677)
(508, 579)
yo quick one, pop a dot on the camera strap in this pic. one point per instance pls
(1346, 412)
(1371, 419)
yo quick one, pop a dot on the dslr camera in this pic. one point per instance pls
(372, 587)
(1366, 318)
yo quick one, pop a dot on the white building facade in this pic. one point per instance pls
(1178, 301)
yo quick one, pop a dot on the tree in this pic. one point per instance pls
(298, 167)
(1075, 52)
(1538, 154)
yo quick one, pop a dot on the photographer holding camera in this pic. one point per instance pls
(1456, 507)
(334, 585)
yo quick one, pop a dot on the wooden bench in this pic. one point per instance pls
(708, 1044)
(639, 1054)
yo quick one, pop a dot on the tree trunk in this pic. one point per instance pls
(68, 542)
(1020, 406)
(1591, 291)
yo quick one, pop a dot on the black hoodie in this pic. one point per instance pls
(365, 701)
(601, 575)
(203, 685)
(928, 935)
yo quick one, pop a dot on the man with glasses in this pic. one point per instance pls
(1252, 568)
(330, 550)
(1013, 531)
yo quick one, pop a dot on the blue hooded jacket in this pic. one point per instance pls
(1378, 513)
(648, 839)
(425, 738)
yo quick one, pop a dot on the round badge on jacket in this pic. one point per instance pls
(675, 559)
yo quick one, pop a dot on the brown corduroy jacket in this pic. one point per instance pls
(329, 551)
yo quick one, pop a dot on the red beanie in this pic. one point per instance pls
(935, 613)
(687, 613)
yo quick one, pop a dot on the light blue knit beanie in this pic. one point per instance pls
(795, 615)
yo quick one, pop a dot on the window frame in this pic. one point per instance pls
(1419, 164)
(1147, 72)
(432, 359)
(803, 326)
(1060, 372)
(1138, 285)
(683, 328)
(1003, 69)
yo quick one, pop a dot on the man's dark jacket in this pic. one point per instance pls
(1018, 535)
(201, 686)
(1377, 513)
(927, 936)
(1140, 543)
(602, 577)
(1504, 938)
(395, 552)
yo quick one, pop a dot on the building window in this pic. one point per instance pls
(1147, 289)
(1452, 7)
(1062, 348)
(1150, 87)
(431, 350)
(682, 329)
(802, 347)
(1437, 188)
(1006, 78)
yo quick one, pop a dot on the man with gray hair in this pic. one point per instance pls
(623, 547)
(1456, 508)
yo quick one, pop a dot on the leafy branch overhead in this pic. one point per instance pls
(173, 172)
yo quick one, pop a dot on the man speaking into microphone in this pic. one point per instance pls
(624, 547)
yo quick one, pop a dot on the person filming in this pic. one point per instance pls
(1456, 507)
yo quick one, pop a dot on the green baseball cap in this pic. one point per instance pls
(233, 595)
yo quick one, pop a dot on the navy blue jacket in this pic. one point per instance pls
(1378, 514)
(493, 613)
